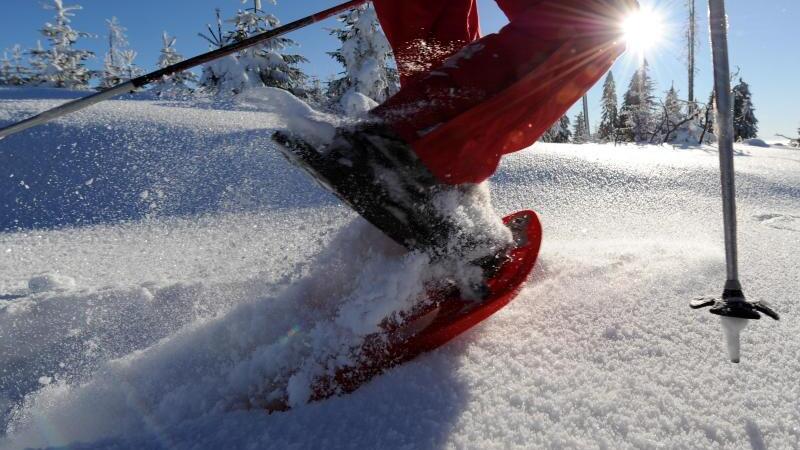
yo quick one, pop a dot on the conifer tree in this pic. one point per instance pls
(366, 55)
(672, 115)
(624, 133)
(262, 65)
(672, 105)
(119, 65)
(705, 121)
(316, 94)
(38, 65)
(745, 124)
(712, 107)
(559, 133)
(20, 74)
(12, 70)
(793, 142)
(796, 142)
(65, 65)
(179, 83)
(607, 131)
(579, 132)
(636, 115)
(5, 69)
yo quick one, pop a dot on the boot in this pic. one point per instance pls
(379, 175)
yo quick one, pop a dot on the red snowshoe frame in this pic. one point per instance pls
(438, 321)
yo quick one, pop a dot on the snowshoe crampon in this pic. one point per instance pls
(443, 317)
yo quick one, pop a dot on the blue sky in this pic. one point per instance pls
(764, 42)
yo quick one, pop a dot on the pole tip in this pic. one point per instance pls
(732, 327)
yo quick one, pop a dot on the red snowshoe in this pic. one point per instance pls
(380, 177)
(435, 322)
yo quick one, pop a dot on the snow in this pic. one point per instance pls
(315, 127)
(186, 302)
(50, 282)
(356, 104)
(756, 142)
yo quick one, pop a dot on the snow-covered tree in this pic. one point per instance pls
(559, 133)
(793, 142)
(671, 118)
(607, 131)
(366, 56)
(797, 141)
(21, 74)
(64, 65)
(636, 114)
(130, 69)
(265, 64)
(745, 124)
(119, 65)
(316, 94)
(179, 83)
(112, 73)
(579, 132)
(38, 62)
(711, 109)
(12, 70)
(673, 106)
(5, 69)
(704, 121)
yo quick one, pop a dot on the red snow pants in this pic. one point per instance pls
(467, 100)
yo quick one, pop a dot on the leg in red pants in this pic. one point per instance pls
(462, 111)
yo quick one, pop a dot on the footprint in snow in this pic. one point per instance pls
(780, 221)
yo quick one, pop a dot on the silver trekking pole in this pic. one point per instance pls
(733, 306)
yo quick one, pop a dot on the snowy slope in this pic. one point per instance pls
(200, 259)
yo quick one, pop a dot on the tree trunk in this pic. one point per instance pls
(691, 38)
(587, 131)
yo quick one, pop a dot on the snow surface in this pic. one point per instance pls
(756, 142)
(50, 282)
(202, 261)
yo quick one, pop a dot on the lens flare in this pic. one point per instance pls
(644, 31)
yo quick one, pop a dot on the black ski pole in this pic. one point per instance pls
(144, 80)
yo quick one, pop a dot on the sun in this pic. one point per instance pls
(644, 31)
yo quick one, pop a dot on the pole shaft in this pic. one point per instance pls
(144, 80)
(67, 108)
(691, 50)
(586, 116)
(722, 88)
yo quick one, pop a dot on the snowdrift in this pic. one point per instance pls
(243, 275)
(127, 160)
